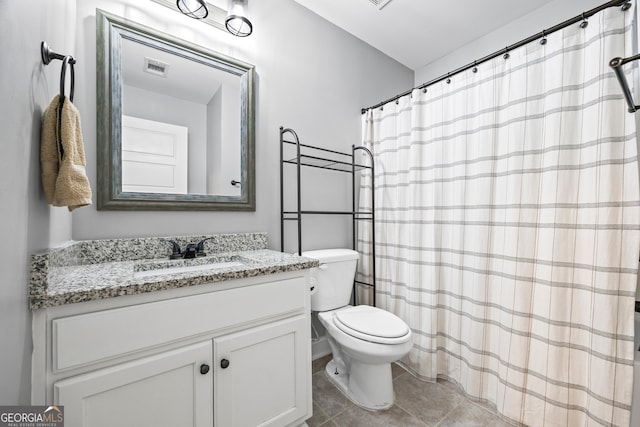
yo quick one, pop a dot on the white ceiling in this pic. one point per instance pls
(186, 79)
(417, 32)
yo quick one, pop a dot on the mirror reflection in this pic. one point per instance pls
(180, 120)
(175, 122)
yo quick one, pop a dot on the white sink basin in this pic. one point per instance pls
(186, 269)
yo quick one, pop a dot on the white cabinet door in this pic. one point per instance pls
(167, 389)
(261, 376)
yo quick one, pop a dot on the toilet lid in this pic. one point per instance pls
(372, 324)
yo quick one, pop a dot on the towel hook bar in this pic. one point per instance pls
(616, 64)
(48, 55)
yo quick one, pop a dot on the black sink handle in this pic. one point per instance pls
(200, 247)
(175, 249)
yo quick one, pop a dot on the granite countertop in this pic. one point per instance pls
(70, 275)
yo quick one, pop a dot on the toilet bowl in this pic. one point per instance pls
(364, 340)
(361, 365)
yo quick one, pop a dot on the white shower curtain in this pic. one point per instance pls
(507, 218)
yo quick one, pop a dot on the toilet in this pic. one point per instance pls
(364, 340)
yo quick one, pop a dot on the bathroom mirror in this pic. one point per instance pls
(175, 121)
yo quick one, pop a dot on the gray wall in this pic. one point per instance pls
(547, 16)
(312, 77)
(230, 144)
(214, 143)
(28, 224)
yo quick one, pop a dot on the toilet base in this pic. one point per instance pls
(368, 386)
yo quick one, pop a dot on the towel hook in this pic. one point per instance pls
(49, 55)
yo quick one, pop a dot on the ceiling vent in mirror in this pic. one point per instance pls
(380, 3)
(155, 67)
(215, 18)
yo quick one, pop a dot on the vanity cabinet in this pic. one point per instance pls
(224, 354)
(265, 366)
(164, 390)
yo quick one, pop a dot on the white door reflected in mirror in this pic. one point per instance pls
(154, 156)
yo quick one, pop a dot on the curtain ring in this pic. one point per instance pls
(584, 22)
(506, 53)
(475, 67)
(397, 101)
(424, 90)
(626, 6)
(448, 78)
(543, 41)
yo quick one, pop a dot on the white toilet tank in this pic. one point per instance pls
(333, 279)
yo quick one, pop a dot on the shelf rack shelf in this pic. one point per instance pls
(323, 158)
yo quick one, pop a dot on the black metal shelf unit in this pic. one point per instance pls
(323, 158)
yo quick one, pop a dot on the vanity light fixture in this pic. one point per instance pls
(193, 8)
(237, 21)
(215, 18)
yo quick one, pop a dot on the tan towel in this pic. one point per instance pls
(71, 186)
(49, 153)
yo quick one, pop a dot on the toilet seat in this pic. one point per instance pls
(372, 324)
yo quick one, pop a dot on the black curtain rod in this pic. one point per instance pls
(626, 4)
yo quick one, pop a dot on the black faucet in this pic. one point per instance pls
(192, 250)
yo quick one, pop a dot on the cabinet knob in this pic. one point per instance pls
(224, 363)
(204, 368)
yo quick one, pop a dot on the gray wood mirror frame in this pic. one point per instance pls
(113, 33)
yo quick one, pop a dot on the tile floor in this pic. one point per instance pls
(418, 403)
